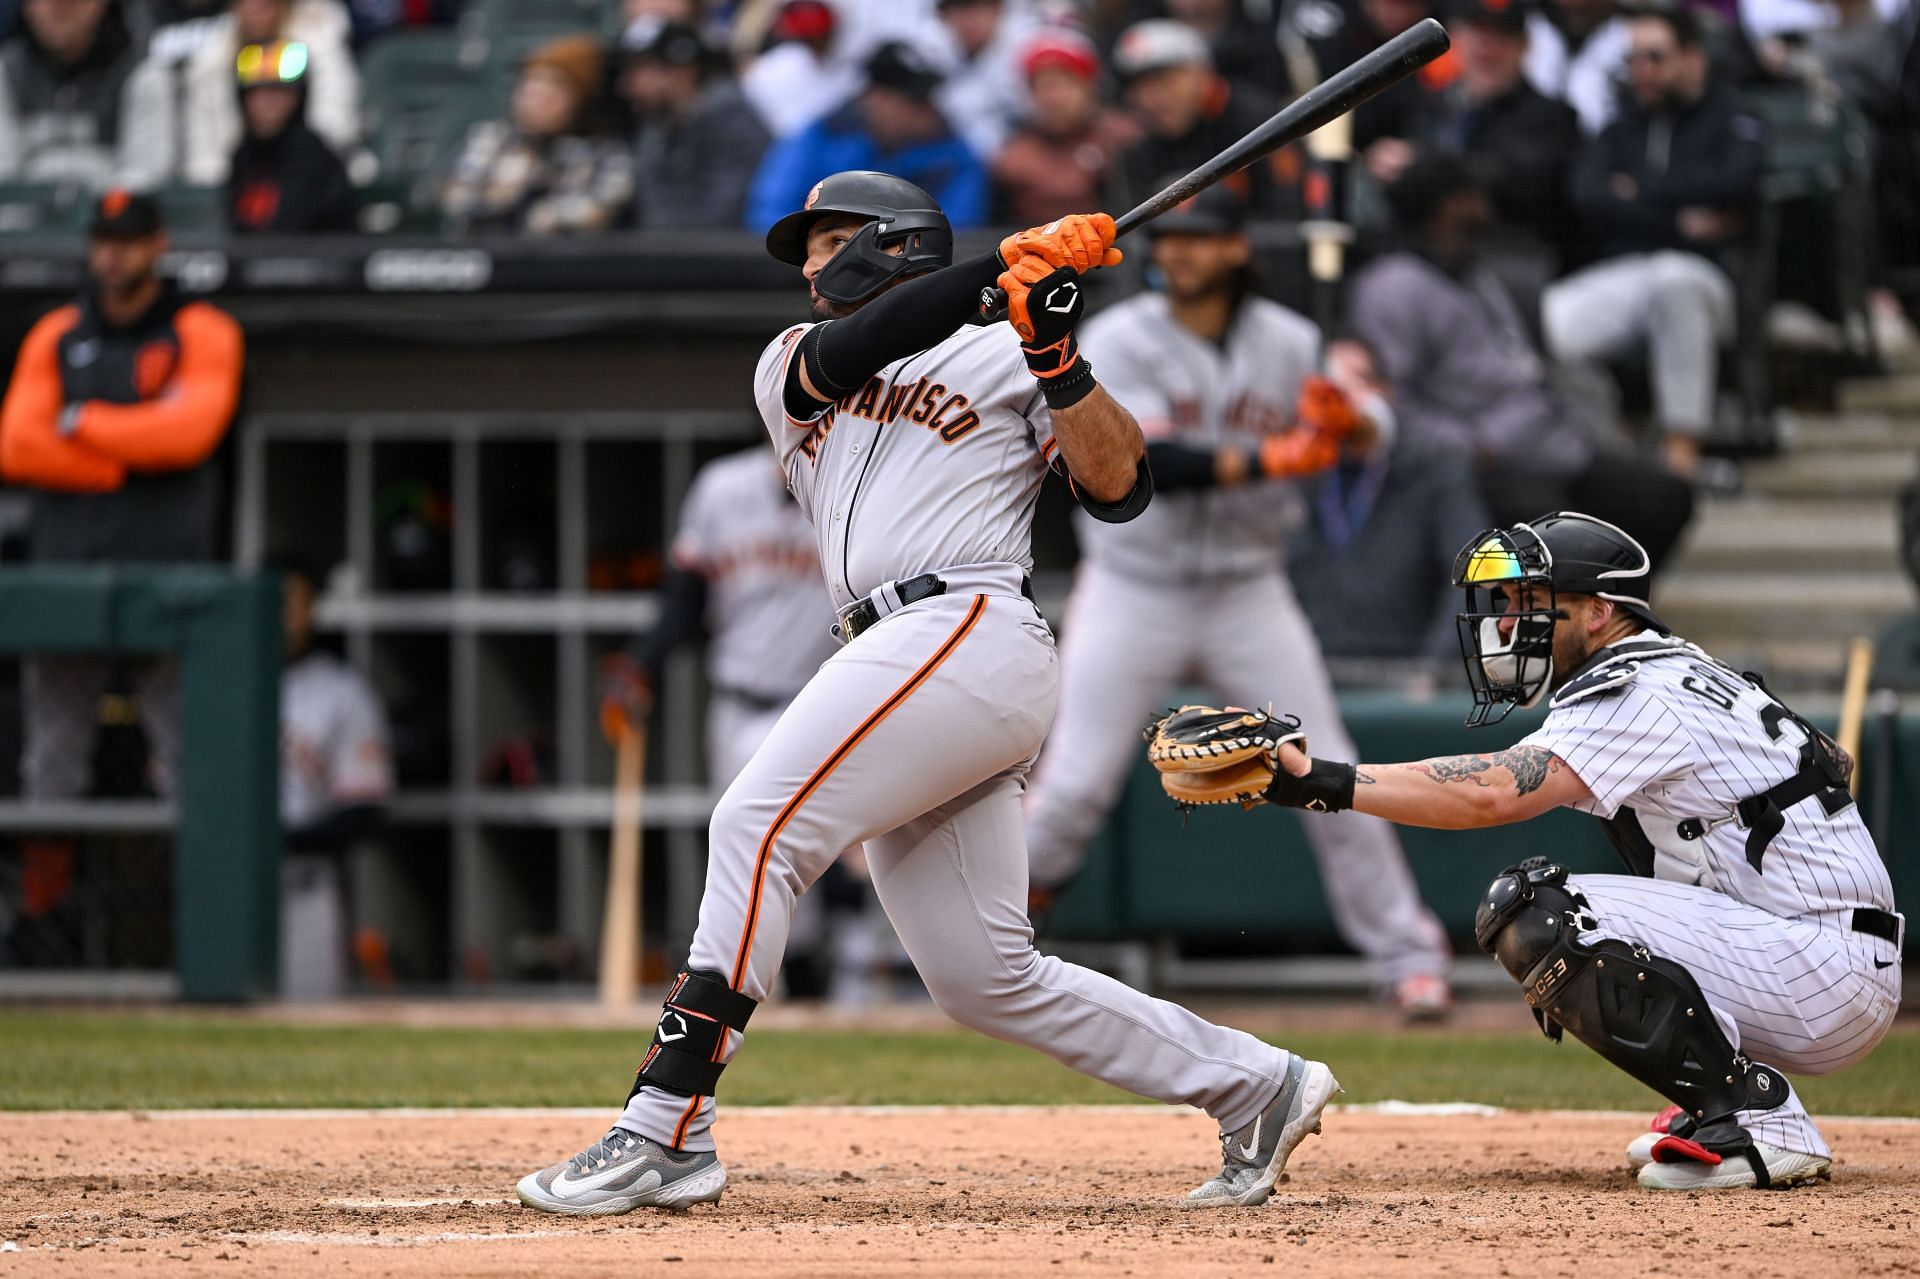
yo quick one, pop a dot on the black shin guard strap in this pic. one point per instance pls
(684, 1057)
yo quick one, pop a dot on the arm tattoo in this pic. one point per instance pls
(1362, 777)
(1457, 768)
(1529, 766)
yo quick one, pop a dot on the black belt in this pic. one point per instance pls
(1883, 924)
(912, 590)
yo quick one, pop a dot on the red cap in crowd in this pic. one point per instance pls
(1060, 50)
(804, 20)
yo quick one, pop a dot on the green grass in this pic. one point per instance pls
(51, 1061)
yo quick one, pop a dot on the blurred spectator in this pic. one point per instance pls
(1189, 115)
(1466, 376)
(1575, 49)
(117, 407)
(1057, 161)
(547, 170)
(78, 104)
(697, 143)
(336, 775)
(893, 126)
(1338, 35)
(1860, 54)
(371, 18)
(806, 73)
(212, 124)
(1518, 143)
(977, 48)
(284, 178)
(1373, 562)
(1668, 186)
(1244, 49)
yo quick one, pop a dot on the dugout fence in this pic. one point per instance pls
(139, 836)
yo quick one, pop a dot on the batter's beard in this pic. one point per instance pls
(823, 310)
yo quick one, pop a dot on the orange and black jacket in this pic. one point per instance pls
(132, 477)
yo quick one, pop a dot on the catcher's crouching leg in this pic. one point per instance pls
(1645, 1014)
(685, 1056)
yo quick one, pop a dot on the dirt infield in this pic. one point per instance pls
(928, 1192)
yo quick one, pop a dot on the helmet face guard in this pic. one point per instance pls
(1514, 669)
(863, 267)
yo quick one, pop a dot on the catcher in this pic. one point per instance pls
(1757, 924)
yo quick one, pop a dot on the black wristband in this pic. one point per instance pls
(1067, 389)
(1327, 787)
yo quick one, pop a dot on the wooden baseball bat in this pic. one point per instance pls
(1853, 704)
(620, 925)
(1338, 94)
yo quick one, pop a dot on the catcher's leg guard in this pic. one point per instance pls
(684, 1057)
(1643, 1013)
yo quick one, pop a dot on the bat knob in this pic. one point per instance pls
(993, 305)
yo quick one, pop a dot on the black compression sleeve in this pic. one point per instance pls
(1181, 466)
(841, 355)
(683, 613)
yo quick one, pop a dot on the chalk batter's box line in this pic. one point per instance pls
(1398, 1109)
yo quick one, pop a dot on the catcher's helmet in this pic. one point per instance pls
(900, 213)
(1565, 553)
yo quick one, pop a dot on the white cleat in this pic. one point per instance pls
(1675, 1163)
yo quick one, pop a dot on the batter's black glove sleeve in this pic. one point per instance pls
(840, 355)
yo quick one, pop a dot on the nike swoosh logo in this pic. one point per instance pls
(1251, 1150)
(1883, 963)
(608, 1179)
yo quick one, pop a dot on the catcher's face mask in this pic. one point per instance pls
(1506, 632)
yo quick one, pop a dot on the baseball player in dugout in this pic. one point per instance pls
(917, 443)
(1224, 385)
(1755, 932)
(117, 409)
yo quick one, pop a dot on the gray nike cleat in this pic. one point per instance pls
(1253, 1157)
(623, 1171)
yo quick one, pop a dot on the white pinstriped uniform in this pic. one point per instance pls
(1792, 984)
(916, 737)
(1195, 588)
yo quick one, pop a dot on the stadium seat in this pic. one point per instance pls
(421, 97)
(192, 209)
(38, 208)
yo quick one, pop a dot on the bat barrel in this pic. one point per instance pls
(1331, 98)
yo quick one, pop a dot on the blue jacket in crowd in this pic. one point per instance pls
(947, 168)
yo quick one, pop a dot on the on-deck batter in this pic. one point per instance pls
(1195, 587)
(918, 448)
(1757, 895)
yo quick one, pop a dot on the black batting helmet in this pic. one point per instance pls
(899, 213)
(1565, 553)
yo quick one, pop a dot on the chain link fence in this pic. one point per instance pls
(88, 750)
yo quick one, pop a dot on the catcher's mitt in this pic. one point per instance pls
(1211, 756)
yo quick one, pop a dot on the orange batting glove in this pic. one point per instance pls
(1326, 410)
(1301, 451)
(1082, 241)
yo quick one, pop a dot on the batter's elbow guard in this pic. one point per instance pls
(688, 1044)
(1128, 507)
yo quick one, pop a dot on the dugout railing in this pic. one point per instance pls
(170, 892)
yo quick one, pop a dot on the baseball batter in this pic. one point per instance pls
(918, 446)
(1757, 931)
(1223, 385)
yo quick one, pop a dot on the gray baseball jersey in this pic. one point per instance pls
(1661, 728)
(1182, 387)
(1194, 587)
(937, 461)
(769, 621)
(333, 740)
(916, 737)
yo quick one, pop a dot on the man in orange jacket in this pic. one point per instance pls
(118, 404)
